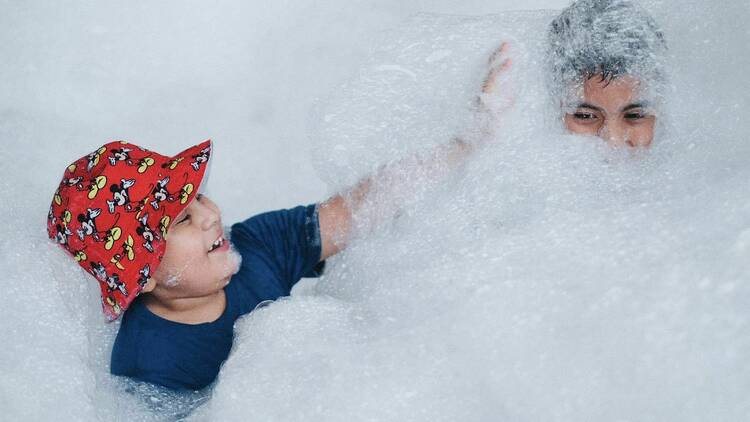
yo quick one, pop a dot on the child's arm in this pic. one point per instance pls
(392, 182)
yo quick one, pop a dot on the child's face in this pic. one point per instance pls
(191, 266)
(612, 111)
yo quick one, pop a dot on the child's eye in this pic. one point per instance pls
(186, 217)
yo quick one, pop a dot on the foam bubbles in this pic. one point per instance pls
(550, 278)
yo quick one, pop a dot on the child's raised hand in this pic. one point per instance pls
(497, 93)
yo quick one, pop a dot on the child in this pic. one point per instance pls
(134, 220)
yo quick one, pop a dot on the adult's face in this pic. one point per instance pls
(613, 111)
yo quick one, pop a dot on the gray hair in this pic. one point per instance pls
(606, 38)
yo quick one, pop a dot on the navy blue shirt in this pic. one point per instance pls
(278, 248)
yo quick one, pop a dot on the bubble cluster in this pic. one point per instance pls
(549, 277)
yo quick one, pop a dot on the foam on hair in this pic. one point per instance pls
(606, 39)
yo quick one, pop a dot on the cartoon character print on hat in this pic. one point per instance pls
(112, 210)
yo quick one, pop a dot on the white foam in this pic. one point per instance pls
(552, 278)
(549, 279)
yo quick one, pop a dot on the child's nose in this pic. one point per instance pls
(210, 218)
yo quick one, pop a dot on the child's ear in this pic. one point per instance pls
(149, 286)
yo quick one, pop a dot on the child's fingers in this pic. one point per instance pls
(489, 83)
(505, 65)
(498, 53)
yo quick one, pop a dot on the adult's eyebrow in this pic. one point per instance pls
(589, 106)
(632, 106)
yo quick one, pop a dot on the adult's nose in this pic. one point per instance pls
(615, 134)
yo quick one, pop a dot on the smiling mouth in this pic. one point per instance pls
(217, 244)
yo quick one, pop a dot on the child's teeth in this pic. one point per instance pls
(217, 243)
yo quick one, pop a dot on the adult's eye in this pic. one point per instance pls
(635, 116)
(580, 115)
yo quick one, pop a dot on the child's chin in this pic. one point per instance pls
(234, 259)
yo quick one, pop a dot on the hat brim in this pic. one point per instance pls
(188, 170)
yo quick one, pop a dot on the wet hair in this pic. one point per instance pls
(606, 38)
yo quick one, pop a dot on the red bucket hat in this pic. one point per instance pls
(112, 210)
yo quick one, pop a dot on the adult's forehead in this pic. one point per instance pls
(640, 88)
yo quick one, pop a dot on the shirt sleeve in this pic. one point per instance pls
(288, 241)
